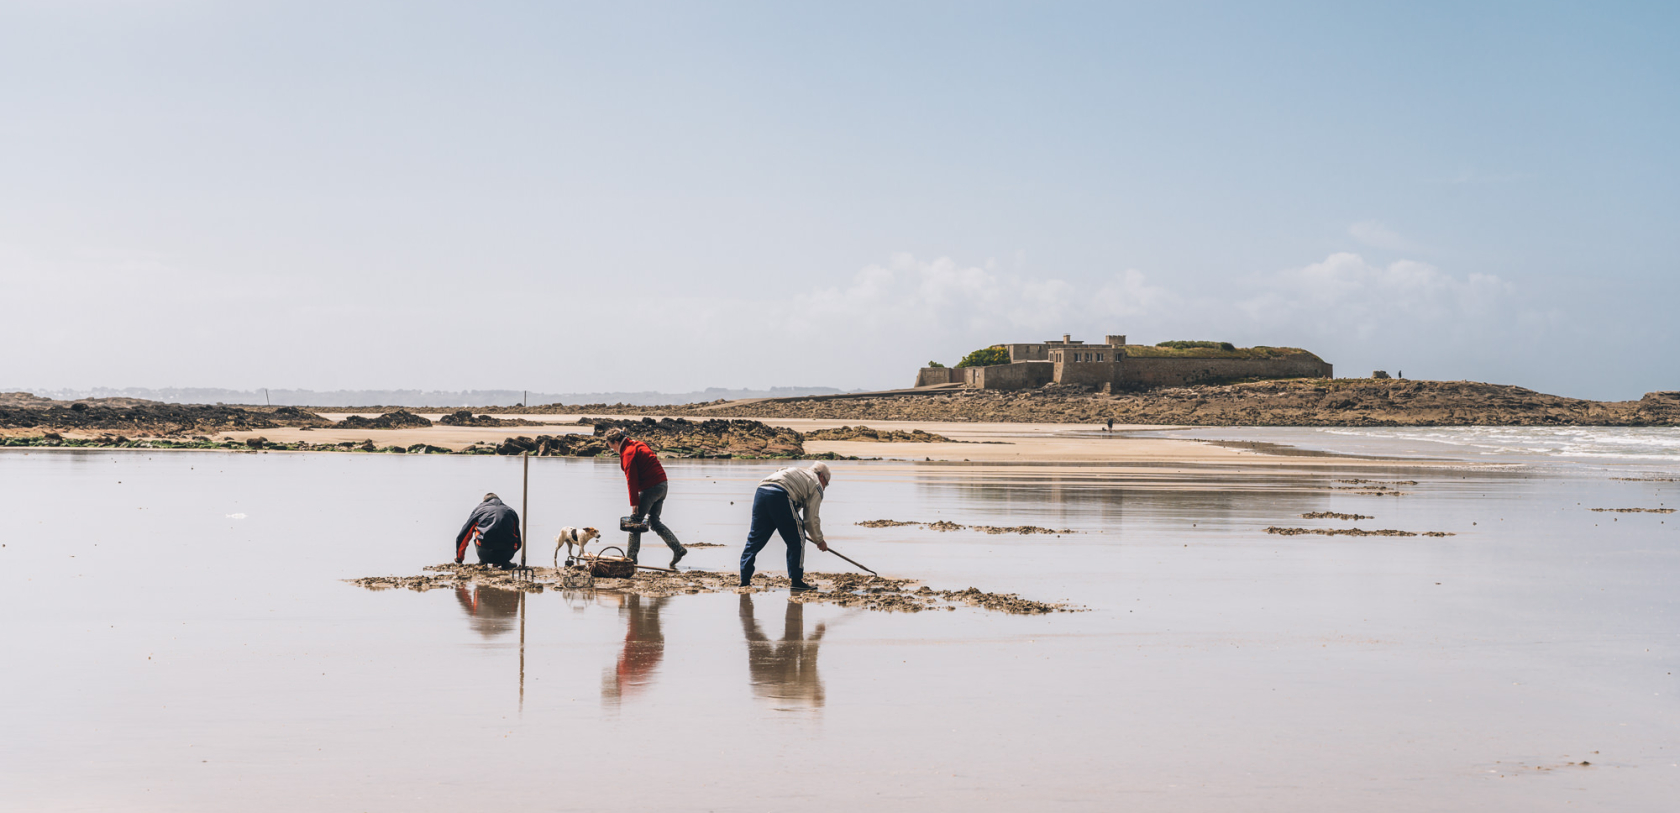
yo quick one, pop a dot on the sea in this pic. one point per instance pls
(1606, 445)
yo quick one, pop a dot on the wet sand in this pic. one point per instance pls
(859, 590)
(179, 636)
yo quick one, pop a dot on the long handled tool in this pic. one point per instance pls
(853, 561)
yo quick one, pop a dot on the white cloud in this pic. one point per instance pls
(1376, 235)
(911, 296)
(1346, 292)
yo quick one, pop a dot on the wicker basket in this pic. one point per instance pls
(602, 566)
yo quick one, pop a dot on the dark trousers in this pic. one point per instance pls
(649, 504)
(773, 512)
(494, 554)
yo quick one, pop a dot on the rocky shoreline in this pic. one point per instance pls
(1284, 402)
(1295, 402)
(672, 438)
(1292, 402)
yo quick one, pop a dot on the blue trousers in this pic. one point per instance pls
(772, 511)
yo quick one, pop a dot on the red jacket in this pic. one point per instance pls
(641, 468)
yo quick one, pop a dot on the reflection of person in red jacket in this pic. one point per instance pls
(647, 491)
(644, 648)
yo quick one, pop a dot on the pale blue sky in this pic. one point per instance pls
(675, 196)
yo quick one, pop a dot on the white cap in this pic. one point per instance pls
(821, 470)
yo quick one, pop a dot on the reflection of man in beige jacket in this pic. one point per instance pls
(784, 670)
(777, 507)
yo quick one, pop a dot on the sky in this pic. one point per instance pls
(575, 197)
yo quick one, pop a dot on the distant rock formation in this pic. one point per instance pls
(400, 419)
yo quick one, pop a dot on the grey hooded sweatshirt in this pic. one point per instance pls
(805, 491)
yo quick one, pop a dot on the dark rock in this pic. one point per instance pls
(400, 419)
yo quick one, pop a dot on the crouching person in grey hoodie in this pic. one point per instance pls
(788, 503)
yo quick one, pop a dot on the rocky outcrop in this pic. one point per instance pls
(151, 418)
(400, 419)
(679, 437)
(462, 417)
(865, 434)
(1658, 408)
(672, 438)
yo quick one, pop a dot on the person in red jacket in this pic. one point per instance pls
(648, 489)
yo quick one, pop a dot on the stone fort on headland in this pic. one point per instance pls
(1115, 365)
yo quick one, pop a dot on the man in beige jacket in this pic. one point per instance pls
(787, 502)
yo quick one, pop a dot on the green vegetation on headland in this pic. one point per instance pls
(1178, 345)
(1208, 350)
(985, 357)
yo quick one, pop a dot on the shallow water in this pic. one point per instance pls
(1657, 446)
(178, 637)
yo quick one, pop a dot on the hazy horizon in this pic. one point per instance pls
(414, 397)
(669, 196)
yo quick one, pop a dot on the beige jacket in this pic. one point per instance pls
(806, 493)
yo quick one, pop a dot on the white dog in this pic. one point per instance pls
(572, 536)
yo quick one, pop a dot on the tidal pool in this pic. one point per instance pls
(178, 635)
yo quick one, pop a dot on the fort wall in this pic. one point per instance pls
(930, 376)
(1091, 373)
(1019, 376)
(1178, 372)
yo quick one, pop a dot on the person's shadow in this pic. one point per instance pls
(644, 648)
(784, 670)
(490, 610)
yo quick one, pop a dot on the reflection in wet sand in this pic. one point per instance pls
(490, 610)
(644, 648)
(784, 670)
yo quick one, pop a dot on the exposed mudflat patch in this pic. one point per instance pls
(944, 525)
(1635, 510)
(1334, 515)
(845, 589)
(1350, 532)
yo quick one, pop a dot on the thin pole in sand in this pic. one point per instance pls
(524, 533)
(522, 652)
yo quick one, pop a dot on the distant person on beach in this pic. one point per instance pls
(1111, 424)
(493, 530)
(777, 506)
(648, 489)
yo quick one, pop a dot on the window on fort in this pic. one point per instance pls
(1099, 357)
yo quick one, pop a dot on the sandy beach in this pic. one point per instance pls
(1049, 444)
